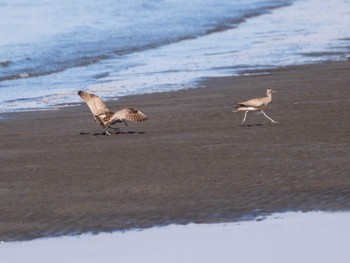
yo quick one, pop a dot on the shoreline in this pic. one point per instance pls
(191, 162)
(318, 33)
(318, 236)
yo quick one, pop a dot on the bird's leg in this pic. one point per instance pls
(268, 117)
(117, 129)
(125, 123)
(106, 130)
(245, 116)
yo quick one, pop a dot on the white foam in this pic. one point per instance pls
(288, 237)
(280, 38)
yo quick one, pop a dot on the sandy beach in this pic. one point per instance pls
(191, 162)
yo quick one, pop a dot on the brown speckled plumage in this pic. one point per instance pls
(256, 104)
(104, 116)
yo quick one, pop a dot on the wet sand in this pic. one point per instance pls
(191, 162)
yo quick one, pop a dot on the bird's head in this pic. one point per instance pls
(270, 91)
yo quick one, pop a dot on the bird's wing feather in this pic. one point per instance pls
(95, 103)
(252, 103)
(129, 114)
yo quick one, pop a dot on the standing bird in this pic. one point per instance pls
(257, 105)
(104, 116)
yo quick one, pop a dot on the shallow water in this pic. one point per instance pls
(51, 49)
(284, 237)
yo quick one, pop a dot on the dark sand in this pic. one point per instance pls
(191, 162)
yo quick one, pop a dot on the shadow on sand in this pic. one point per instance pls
(104, 134)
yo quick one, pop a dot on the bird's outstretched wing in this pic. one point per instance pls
(256, 103)
(129, 114)
(95, 103)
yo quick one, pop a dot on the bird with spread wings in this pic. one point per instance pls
(104, 117)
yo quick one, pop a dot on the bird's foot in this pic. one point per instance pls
(107, 133)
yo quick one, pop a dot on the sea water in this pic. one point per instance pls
(50, 49)
(284, 237)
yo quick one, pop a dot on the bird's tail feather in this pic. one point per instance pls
(238, 108)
